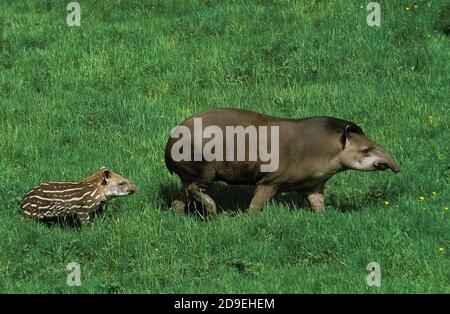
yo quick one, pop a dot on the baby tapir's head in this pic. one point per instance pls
(360, 153)
(111, 184)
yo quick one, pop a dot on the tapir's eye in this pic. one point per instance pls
(366, 151)
(122, 183)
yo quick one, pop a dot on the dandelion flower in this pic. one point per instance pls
(441, 249)
(396, 206)
(433, 193)
(445, 209)
(161, 116)
(421, 198)
(386, 202)
(416, 6)
(407, 8)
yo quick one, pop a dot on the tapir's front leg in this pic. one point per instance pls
(262, 195)
(84, 218)
(316, 200)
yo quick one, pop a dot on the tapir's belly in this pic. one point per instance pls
(238, 173)
(285, 179)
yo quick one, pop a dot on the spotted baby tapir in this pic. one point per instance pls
(82, 198)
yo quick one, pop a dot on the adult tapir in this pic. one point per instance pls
(222, 145)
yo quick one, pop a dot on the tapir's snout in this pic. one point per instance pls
(383, 166)
(394, 167)
(387, 161)
(133, 188)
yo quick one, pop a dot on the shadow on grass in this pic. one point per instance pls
(235, 199)
(69, 221)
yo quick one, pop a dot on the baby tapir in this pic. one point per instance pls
(220, 145)
(81, 198)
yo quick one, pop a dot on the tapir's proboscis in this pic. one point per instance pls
(310, 152)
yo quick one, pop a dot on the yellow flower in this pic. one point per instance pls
(421, 198)
(429, 35)
(441, 249)
(416, 6)
(445, 209)
(396, 206)
(407, 8)
(161, 116)
(433, 193)
(386, 202)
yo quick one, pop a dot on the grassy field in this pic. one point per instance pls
(108, 93)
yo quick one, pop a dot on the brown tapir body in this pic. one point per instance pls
(309, 152)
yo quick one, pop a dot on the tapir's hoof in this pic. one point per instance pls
(179, 207)
(251, 210)
(319, 210)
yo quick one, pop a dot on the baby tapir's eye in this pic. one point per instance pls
(122, 183)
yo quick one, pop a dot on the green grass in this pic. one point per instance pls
(109, 92)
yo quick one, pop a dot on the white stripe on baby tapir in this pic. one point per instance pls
(60, 182)
(63, 191)
(59, 199)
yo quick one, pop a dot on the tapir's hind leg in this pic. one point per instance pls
(179, 206)
(198, 192)
(263, 194)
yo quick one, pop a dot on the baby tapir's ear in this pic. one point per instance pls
(106, 175)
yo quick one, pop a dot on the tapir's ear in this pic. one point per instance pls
(106, 175)
(345, 135)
